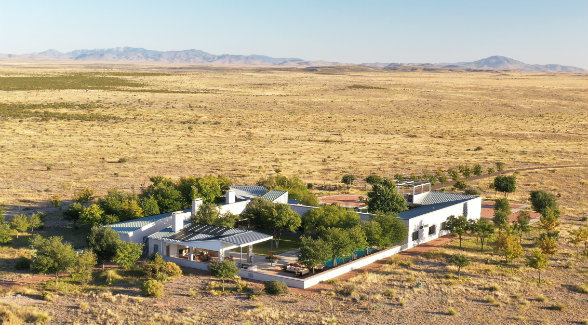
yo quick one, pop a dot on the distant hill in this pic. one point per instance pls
(503, 63)
(131, 54)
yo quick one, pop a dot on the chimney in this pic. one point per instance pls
(177, 221)
(196, 203)
(230, 197)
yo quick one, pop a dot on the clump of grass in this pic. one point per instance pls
(558, 307)
(48, 296)
(346, 290)
(581, 288)
(541, 298)
(451, 311)
(389, 292)
(11, 314)
(122, 160)
(193, 293)
(492, 288)
(490, 299)
(84, 305)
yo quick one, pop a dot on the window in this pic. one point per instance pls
(155, 249)
(433, 230)
(415, 235)
(444, 225)
(167, 250)
(465, 210)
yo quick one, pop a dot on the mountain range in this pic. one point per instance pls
(130, 54)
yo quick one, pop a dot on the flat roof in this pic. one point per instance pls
(136, 224)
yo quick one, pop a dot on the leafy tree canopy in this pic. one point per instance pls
(293, 185)
(316, 221)
(384, 198)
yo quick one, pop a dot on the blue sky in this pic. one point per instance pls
(345, 31)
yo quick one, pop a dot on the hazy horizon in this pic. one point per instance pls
(534, 32)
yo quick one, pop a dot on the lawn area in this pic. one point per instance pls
(288, 242)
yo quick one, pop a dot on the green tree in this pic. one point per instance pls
(523, 223)
(84, 196)
(163, 190)
(509, 246)
(313, 252)
(505, 184)
(20, 222)
(296, 188)
(393, 229)
(374, 234)
(578, 236)
(122, 205)
(490, 171)
(373, 179)
(500, 220)
(358, 239)
(538, 261)
(73, 212)
(466, 171)
(275, 217)
(227, 219)
(127, 254)
(441, 177)
(104, 243)
(208, 213)
(458, 226)
(82, 269)
(454, 174)
(478, 170)
(53, 256)
(56, 201)
(499, 166)
(502, 204)
(6, 233)
(460, 261)
(35, 220)
(208, 188)
(222, 270)
(546, 243)
(384, 198)
(542, 200)
(348, 179)
(549, 220)
(340, 243)
(149, 206)
(483, 229)
(95, 216)
(460, 185)
(316, 221)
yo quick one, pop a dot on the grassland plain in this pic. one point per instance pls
(65, 126)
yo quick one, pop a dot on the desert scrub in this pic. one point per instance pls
(152, 288)
(558, 307)
(451, 311)
(541, 298)
(345, 290)
(11, 314)
(275, 287)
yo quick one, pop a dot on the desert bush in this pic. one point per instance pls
(541, 298)
(492, 287)
(581, 288)
(48, 296)
(558, 307)
(11, 314)
(346, 290)
(152, 288)
(275, 287)
(451, 311)
(23, 263)
(389, 292)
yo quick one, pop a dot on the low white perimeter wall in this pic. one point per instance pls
(308, 282)
(187, 263)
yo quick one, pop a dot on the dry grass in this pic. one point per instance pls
(247, 122)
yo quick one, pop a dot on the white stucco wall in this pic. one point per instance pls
(138, 235)
(234, 208)
(424, 222)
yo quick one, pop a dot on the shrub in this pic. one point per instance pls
(472, 191)
(389, 292)
(152, 288)
(172, 270)
(451, 311)
(346, 290)
(581, 288)
(23, 263)
(275, 287)
(542, 298)
(558, 307)
(492, 287)
(48, 296)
